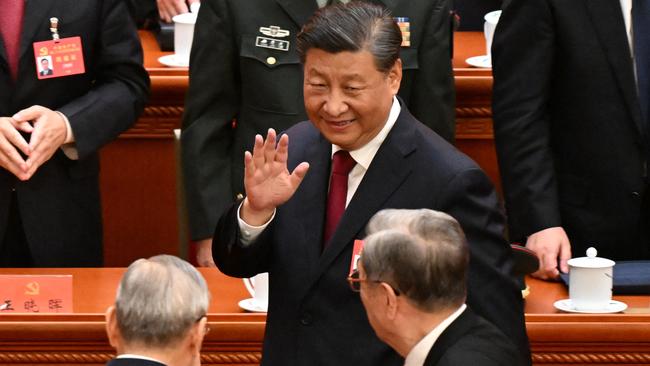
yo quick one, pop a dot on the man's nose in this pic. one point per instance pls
(335, 104)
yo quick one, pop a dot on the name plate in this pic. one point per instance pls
(35, 294)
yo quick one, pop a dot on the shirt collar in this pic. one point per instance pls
(419, 353)
(364, 155)
(129, 355)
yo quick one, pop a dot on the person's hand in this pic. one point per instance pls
(167, 9)
(267, 180)
(553, 249)
(48, 134)
(204, 253)
(11, 142)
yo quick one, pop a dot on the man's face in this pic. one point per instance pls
(346, 97)
(45, 64)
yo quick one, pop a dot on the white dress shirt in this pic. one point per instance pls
(128, 355)
(626, 8)
(419, 353)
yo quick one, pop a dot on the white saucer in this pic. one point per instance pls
(173, 61)
(480, 61)
(252, 305)
(613, 307)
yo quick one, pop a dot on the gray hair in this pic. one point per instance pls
(158, 301)
(422, 253)
(353, 27)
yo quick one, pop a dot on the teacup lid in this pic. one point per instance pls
(591, 261)
(492, 17)
(185, 18)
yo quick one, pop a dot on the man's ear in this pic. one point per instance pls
(390, 299)
(395, 76)
(112, 330)
(198, 332)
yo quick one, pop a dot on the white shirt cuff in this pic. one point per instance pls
(68, 146)
(249, 232)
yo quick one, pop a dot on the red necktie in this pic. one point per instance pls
(11, 23)
(342, 164)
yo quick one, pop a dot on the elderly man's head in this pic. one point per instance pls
(352, 71)
(415, 259)
(160, 310)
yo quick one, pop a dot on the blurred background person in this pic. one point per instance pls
(148, 12)
(571, 95)
(159, 315)
(412, 276)
(52, 128)
(244, 67)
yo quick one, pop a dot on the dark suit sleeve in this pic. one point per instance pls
(233, 258)
(212, 103)
(433, 96)
(120, 87)
(471, 199)
(523, 57)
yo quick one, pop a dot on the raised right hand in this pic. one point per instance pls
(267, 179)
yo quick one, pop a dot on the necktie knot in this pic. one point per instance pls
(342, 163)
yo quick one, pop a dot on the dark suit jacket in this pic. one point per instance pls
(45, 72)
(230, 78)
(59, 205)
(132, 362)
(313, 316)
(471, 340)
(568, 125)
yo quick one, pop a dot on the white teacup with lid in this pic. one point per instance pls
(590, 281)
(184, 35)
(490, 25)
(258, 287)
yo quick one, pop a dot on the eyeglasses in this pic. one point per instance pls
(355, 282)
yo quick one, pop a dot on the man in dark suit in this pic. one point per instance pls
(412, 277)
(159, 314)
(570, 133)
(51, 129)
(288, 224)
(244, 67)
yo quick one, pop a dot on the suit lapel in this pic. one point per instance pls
(312, 215)
(36, 16)
(299, 10)
(449, 336)
(386, 173)
(608, 24)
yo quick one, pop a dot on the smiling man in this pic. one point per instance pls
(361, 151)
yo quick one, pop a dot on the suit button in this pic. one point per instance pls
(306, 319)
(271, 60)
(239, 196)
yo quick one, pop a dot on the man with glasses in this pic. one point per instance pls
(412, 277)
(159, 314)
